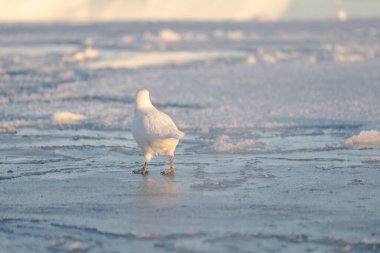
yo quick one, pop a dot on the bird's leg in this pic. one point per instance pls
(171, 162)
(169, 172)
(144, 170)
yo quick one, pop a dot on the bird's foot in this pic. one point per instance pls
(168, 172)
(142, 171)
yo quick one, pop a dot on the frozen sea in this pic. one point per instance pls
(282, 146)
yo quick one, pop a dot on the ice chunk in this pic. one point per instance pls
(189, 36)
(68, 118)
(218, 33)
(372, 160)
(348, 57)
(344, 54)
(79, 56)
(269, 59)
(7, 128)
(91, 53)
(88, 54)
(77, 247)
(236, 35)
(251, 59)
(364, 138)
(128, 38)
(169, 35)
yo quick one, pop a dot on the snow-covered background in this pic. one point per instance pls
(205, 75)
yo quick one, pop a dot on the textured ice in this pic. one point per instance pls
(223, 144)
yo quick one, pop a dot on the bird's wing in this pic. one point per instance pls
(159, 125)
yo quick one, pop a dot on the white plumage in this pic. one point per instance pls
(154, 131)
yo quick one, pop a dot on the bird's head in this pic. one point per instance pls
(142, 99)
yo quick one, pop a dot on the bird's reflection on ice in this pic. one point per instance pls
(156, 203)
(158, 192)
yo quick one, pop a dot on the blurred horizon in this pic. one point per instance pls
(195, 10)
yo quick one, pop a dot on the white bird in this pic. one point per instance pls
(154, 131)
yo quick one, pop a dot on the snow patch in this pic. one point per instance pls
(143, 59)
(68, 118)
(128, 38)
(169, 35)
(364, 138)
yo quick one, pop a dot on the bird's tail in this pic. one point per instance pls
(178, 135)
(181, 135)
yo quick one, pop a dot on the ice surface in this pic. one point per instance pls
(73, 189)
(265, 107)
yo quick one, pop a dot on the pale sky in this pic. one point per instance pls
(108, 10)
